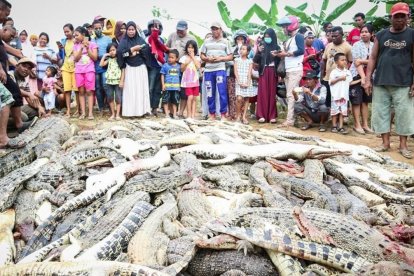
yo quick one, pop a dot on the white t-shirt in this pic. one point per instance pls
(340, 90)
(190, 75)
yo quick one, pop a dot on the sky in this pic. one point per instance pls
(50, 15)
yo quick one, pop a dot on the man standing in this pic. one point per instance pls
(310, 104)
(215, 52)
(338, 45)
(392, 59)
(100, 81)
(178, 40)
(355, 34)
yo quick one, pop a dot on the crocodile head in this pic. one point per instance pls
(189, 165)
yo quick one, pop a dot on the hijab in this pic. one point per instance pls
(267, 57)
(118, 34)
(124, 55)
(110, 32)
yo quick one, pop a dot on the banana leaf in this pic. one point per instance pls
(250, 28)
(256, 9)
(371, 11)
(199, 40)
(273, 13)
(225, 14)
(301, 14)
(302, 7)
(340, 10)
(324, 6)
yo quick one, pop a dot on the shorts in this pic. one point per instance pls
(339, 107)
(86, 80)
(357, 94)
(171, 96)
(183, 96)
(192, 91)
(6, 98)
(69, 81)
(14, 89)
(112, 89)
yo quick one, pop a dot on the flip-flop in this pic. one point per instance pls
(14, 144)
(359, 131)
(273, 121)
(406, 153)
(244, 122)
(261, 120)
(368, 130)
(381, 148)
(306, 126)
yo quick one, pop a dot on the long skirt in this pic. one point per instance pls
(231, 92)
(135, 97)
(266, 95)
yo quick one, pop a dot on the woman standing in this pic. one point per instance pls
(132, 55)
(120, 30)
(357, 96)
(68, 67)
(45, 56)
(266, 110)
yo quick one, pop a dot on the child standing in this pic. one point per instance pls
(49, 90)
(190, 65)
(113, 77)
(243, 67)
(339, 81)
(85, 54)
(170, 81)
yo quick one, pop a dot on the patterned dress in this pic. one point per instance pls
(243, 72)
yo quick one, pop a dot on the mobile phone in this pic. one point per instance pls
(59, 43)
(143, 45)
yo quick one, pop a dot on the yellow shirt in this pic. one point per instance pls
(69, 62)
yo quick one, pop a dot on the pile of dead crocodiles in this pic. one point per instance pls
(186, 197)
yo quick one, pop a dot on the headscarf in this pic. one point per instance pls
(118, 34)
(265, 57)
(124, 55)
(110, 32)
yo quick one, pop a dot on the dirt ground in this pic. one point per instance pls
(370, 140)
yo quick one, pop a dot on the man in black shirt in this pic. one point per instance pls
(393, 59)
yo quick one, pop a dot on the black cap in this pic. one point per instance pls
(310, 74)
(86, 25)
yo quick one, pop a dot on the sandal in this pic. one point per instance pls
(111, 118)
(81, 117)
(306, 126)
(118, 118)
(273, 121)
(382, 148)
(334, 129)
(406, 153)
(244, 121)
(359, 131)
(368, 130)
(261, 120)
(91, 118)
(342, 131)
(322, 128)
(14, 144)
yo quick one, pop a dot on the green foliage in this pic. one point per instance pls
(200, 41)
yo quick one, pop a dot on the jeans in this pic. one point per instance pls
(154, 79)
(204, 103)
(100, 88)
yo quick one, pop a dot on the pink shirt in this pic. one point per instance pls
(85, 63)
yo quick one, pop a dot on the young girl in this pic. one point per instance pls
(190, 65)
(85, 53)
(243, 67)
(49, 89)
(113, 77)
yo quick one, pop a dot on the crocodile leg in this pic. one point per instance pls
(286, 265)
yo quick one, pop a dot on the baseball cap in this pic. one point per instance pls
(309, 34)
(182, 25)
(26, 60)
(86, 25)
(310, 74)
(99, 17)
(400, 7)
(215, 24)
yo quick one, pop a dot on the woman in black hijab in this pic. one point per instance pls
(266, 110)
(132, 56)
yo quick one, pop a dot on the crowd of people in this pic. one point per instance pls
(133, 72)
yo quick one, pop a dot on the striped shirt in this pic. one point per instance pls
(215, 48)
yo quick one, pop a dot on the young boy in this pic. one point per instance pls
(339, 81)
(170, 81)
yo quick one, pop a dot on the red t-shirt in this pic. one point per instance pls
(354, 36)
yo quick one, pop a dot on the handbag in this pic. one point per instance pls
(313, 63)
(281, 90)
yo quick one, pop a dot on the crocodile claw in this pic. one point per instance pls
(244, 245)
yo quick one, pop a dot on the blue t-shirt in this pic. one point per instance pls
(102, 43)
(171, 76)
(318, 45)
